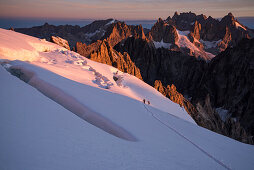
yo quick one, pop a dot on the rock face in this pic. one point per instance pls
(61, 42)
(86, 50)
(226, 41)
(226, 82)
(163, 32)
(229, 80)
(102, 51)
(120, 31)
(183, 21)
(195, 31)
(175, 96)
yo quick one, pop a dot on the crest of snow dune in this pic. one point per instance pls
(16, 46)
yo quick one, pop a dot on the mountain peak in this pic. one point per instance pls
(201, 17)
(176, 13)
(159, 20)
(230, 14)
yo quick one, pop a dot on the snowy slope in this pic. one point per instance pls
(238, 25)
(39, 133)
(80, 69)
(184, 42)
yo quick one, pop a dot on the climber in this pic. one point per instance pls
(144, 101)
(148, 102)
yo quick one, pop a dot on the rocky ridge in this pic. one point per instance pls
(73, 34)
(61, 42)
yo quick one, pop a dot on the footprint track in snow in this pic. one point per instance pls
(75, 59)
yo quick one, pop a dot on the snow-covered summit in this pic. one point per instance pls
(39, 128)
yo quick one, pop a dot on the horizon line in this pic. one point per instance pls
(124, 19)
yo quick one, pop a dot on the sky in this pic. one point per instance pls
(122, 9)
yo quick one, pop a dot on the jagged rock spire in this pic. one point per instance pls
(230, 14)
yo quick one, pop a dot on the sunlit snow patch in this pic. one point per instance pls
(238, 25)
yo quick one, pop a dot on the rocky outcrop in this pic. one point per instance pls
(106, 54)
(102, 51)
(163, 32)
(120, 31)
(86, 50)
(175, 96)
(195, 31)
(226, 41)
(184, 20)
(60, 41)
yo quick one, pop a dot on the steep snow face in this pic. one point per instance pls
(184, 42)
(39, 133)
(238, 25)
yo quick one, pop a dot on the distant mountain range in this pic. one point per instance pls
(6, 23)
(203, 64)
